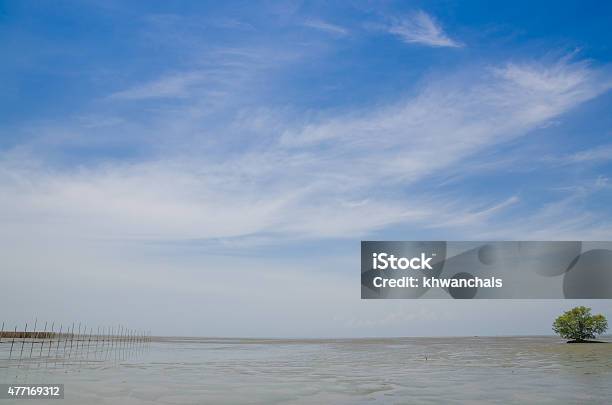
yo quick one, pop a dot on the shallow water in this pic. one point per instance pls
(406, 370)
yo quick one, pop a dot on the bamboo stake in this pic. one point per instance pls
(34, 331)
(51, 338)
(23, 341)
(42, 341)
(13, 342)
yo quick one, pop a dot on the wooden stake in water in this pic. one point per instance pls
(88, 344)
(97, 338)
(59, 339)
(13, 342)
(1, 332)
(32, 346)
(23, 341)
(43, 339)
(51, 338)
(118, 344)
(71, 338)
(77, 338)
(105, 341)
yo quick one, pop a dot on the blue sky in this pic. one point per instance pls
(230, 157)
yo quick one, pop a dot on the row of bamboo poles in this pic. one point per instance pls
(67, 341)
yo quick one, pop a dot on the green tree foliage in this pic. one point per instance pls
(578, 324)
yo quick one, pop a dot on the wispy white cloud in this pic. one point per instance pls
(326, 27)
(601, 153)
(338, 176)
(171, 86)
(213, 74)
(421, 28)
(451, 118)
(457, 217)
(566, 218)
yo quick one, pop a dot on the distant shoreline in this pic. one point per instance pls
(55, 335)
(27, 335)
